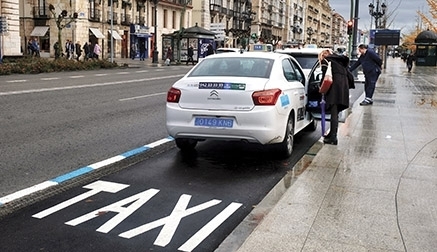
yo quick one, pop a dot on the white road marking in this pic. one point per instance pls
(100, 74)
(206, 230)
(87, 85)
(27, 191)
(142, 96)
(76, 76)
(52, 78)
(14, 81)
(125, 207)
(170, 223)
(122, 73)
(96, 187)
(142, 71)
(134, 202)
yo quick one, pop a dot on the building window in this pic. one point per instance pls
(173, 21)
(153, 16)
(164, 21)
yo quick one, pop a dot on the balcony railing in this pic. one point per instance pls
(140, 20)
(41, 12)
(125, 19)
(214, 8)
(109, 18)
(94, 15)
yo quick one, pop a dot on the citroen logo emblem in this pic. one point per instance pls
(213, 93)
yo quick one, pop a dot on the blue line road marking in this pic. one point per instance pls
(81, 171)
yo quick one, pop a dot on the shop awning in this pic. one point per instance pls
(39, 31)
(97, 33)
(115, 35)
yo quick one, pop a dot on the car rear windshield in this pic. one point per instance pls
(235, 66)
(306, 61)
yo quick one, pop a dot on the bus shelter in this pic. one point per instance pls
(197, 37)
(426, 48)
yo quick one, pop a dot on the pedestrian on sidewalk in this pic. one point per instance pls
(133, 51)
(78, 50)
(337, 97)
(410, 58)
(142, 50)
(97, 50)
(190, 54)
(371, 63)
(35, 47)
(86, 49)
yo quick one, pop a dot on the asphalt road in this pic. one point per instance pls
(57, 122)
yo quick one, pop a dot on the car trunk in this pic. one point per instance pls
(230, 93)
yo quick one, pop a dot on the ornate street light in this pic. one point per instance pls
(155, 45)
(377, 14)
(310, 33)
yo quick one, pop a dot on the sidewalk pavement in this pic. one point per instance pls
(375, 191)
(136, 63)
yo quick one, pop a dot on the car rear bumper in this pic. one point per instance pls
(261, 125)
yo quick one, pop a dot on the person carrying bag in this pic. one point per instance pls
(334, 86)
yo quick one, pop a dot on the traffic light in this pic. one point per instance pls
(350, 27)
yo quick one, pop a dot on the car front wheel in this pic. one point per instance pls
(286, 147)
(186, 144)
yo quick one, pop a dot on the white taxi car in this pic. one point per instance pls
(254, 97)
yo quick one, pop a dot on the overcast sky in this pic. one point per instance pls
(402, 13)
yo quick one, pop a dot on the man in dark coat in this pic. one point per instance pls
(371, 63)
(410, 58)
(190, 54)
(337, 97)
(78, 50)
(86, 49)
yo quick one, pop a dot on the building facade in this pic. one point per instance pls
(126, 26)
(10, 38)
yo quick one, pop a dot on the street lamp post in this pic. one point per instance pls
(155, 45)
(377, 14)
(310, 33)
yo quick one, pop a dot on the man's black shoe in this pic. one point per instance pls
(366, 103)
(330, 141)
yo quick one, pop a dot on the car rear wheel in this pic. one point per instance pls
(186, 144)
(286, 147)
(312, 126)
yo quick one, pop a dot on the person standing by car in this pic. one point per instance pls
(337, 97)
(371, 63)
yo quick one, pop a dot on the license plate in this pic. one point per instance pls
(214, 122)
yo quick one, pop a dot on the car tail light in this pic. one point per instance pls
(266, 97)
(173, 95)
